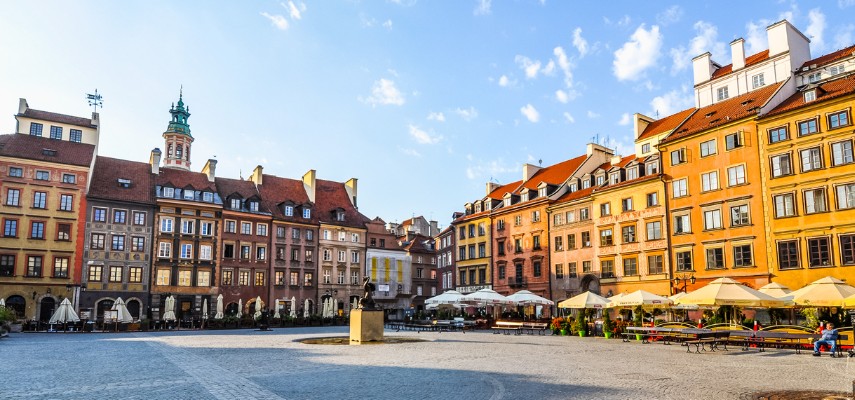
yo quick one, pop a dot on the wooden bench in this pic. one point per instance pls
(534, 327)
(701, 339)
(507, 327)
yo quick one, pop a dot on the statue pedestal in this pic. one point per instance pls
(366, 326)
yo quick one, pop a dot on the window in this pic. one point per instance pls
(342, 256)
(655, 265)
(186, 250)
(185, 278)
(261, 229)
(208, 197)
(518, 245)
(721, 93)
(354, 237)
(614, 178)
(295, 254)
(715, 258)
(63, 232)
(815, 201)
(781, 165)
(166, 224)
(626, 204)
(207, 228)
(739, 215)
(228, 250)
(819, 252)
(310, 235)
(39, 200)
(13, 197)
(188, 226)
(327, 255)
(16, 172)
(56, 132)
(535, 216)
(847, 249)
(811, 159)
(814, 77)
(712, 219)
(482, 250)
(708, 148)
(836, 69)
(137, 243)
(654, 230)
(807, 127)
(535, 240)
(164, 277)
(838, 119)
(742, 256)
(709, 181)
(259, 278)
(230, 226)
(341, 276)
(7, 265)
(354, 256)
(733, 141)
(118, 243)
(606, 237)
(35, 129)
(841, 153)
(680, 188)
(76, 135)
(189, 194)
(778, 134)
(309, 255)
(169, 192)
(652, 167)
(246, 228)
(97, 241)
(559, 243)
(559, 271)
(307, 213)
(115, 274)
(784, 205)
(69, 178)
(607, 267)
(678, 156)
(630, 267)
(60, 267)
(289, 211)
(557, 218)
(203, 278)
(227, 277)
(631, 173)
(605, 209)
(652, 199)
(757, 81)
(628, 234)
(736, 175)
(205, 252)
(135, 274)
(536, 268)
(245, 252)
(571, 241)
(809, 96)
(586, 239)
(307, 279)
(295, 233)
(253, 206)
(95, 273)
(341, 236)
(682, 224)
(571, 270)
(37, 230)
(139, 218)
(846, 196)
(243, 278)
(34, 266)
(164, 250)
(584, 215)
(10, 228)
(42, 175)
(645, 148)
(517, 220)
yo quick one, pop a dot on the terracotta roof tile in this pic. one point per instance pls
(105, 181)
(749, 61)
(180, 178)
(331, 196)
(626, 183)
(554, 174)
(39, 148)
(498, 193)
(417, 244)
(665, 124)
(724, 112)
(245, 189)
(830, 57)
(276, 190)
(60, 118)
(570, 196)
(826, 91)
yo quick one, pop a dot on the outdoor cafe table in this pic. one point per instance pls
(646, 332)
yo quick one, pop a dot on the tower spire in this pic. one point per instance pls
(177, 136)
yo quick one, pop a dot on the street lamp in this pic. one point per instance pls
(685, 281)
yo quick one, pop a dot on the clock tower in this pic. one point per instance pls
(177, 137)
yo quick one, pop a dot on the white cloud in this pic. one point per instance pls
(671, 102)
(436, 116)
(423, 137)
(277, 20)
(625, 119)
(579, 42)
(388, 24)
(549, 69)
(593, 115)
(569, 118)
(384, 92)
(844, 36)
(467, 114)
(564, 64)
(530, 113)
(562, 96)
(531, 67)
(845, 3)
(504, 81)
(816, 29)
(484, 7)
(638, 54)
(294, 10)
(411, 152)
(755, 39)
(704, 41)
(671, 15)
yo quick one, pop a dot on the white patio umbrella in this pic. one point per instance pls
(676, 306)
(641, 298)
(525, 297)
(728, 292)
(122, 310)
(205, 309)
(169, 309)
(585, 300)
(258, 305)
(334, 307)
(240, 308)
(278, 306)
(326, 309)
(825, 292)
(64, 313)
(485, 297)
(306, 309)
(293, 307)
(355, 304)
(2, 302)
(219, 314)
(447, 297)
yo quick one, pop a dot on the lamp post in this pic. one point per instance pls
(685, 280)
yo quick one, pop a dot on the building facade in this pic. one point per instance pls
(390, 268)
(445, 263)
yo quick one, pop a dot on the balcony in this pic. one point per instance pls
(518, 282)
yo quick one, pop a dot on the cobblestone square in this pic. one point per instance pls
(248, 364)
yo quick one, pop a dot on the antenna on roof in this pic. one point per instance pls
(95, 101)
(657, 114)
(540, 162)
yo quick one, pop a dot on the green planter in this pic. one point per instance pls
(608, 335)
(637, 337)
(581, 333)
(563, 332)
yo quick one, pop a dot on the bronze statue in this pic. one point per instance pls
(367, 300)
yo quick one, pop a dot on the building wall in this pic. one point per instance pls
(445, 264)
(89, 135)
(521, 265)
(251, 274)
(473, 232)
(578, 261)
(304, 266)
(329, 240)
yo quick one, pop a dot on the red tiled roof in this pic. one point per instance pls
(330, 196)
(417, 244)
(106, 175)
(570, 196)
(830, 57)
(626, 183)
(245, 189)
(180, 178)
(471, 216)
(60, 118)
(665, 124)
(498, 193)
(825, 91)
(554, 174)
(34, 148)
(275, 191)
(749, 61)
(724, 112)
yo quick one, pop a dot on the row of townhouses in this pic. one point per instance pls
(92, 228)
(756, 182)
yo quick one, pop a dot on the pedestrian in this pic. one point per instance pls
(829, 337)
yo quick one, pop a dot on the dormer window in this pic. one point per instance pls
(188, 194)
(477, 207)
(253, 206)
(601, 180)
(289, 211)
(208, 197)
(488, 205)
(631, 173)
(524, 196)
(234, 204)
(541, 192)
(307, 213)
(586, 183)
(507, 201)
(652, 167)
(614, 178)
(124, 183)
(339, 215)
(814, 77)
(574, 187)
(837, 69)
(49, 152)
(169, 192)
(810, 95)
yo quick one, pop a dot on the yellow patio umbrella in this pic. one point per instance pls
(641, 298)
(585, 300)
(849, 302)
(778, 290)
(825, 292)
(728, 292)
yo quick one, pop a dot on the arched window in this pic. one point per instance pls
(169, 150)
(134, 308)
(232, 309)
(104, 305)
(179, 151)
(17, 304)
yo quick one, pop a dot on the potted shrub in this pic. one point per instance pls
(581, 326)
(7, 317)
(557, 325)
(608, 326)
(638, 319)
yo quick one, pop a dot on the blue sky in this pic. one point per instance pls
(424, 102)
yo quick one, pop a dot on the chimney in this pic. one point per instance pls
(491, 186)
(154, 160)
(703, 68)
(737, 53)
(529, 171)
(639, 123)
(594, 148)
(210, 169)
(22, 106)
(256, 175)
(784, 37)
(616, 159)
(350, 186)
(434, 228)
(309, 184)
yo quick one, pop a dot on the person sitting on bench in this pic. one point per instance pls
(829, 338)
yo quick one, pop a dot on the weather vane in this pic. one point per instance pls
(95, 100)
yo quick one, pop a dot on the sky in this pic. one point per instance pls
(423, 102)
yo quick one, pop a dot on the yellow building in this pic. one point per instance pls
(808, 172)
(473, 232)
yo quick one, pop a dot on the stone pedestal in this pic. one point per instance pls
(366, 326)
